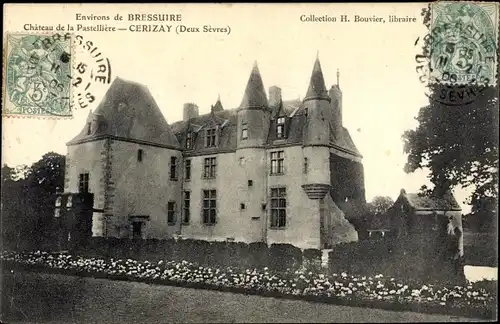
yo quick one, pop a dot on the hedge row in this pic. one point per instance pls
(411, 259)
(229, 254)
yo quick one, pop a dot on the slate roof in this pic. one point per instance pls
(218, 106)
(317, 88)
(296, 126)
(128, 110)
(429, 203)
(255, 95)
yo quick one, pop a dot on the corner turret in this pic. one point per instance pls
(317, 88)
(254, 113)
(317, 103)
(255, 95)
(317, 136)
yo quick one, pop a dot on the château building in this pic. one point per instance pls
(272, 170)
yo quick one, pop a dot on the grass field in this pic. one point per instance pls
(46, 298)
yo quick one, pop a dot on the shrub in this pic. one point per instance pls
(312, 254)
(284, 256)
(237, 255)
(311, 259)
(258, 254)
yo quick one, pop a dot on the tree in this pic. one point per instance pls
(380, 205)
(458, 144)
(45, 178)
(28, 198)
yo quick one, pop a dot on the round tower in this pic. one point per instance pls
(254, 117)
(254, 114)
(317, 136)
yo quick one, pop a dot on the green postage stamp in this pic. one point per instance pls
(38, 75)
(464, 42)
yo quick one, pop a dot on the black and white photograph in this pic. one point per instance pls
(250, 163)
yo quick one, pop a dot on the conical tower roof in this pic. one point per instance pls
(255, 95)
(218, 105)
(317, 88)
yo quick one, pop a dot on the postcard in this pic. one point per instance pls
(290, 162)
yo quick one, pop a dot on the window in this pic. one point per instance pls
(187, 207)
(139, 155)
(210, 139)
(209, 168)
(171, 212)
(173, 168)
(278, 207)
(187, 170)
(306, 165)
(280, 127)
(209, 206)
(83, 183)
(189, 140)
(242, 206)
(244, 131)
(250, 183)
(277, 159)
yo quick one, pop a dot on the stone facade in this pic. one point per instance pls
(269, 171)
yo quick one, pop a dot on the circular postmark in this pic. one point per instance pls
(459, 54)
(38, 73)
(92, 69)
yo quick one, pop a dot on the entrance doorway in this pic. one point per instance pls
(137, 230)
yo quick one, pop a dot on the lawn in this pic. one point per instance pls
(377, 291)
(50, 298)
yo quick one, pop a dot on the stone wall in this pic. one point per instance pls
(88, 158)
(142, 188)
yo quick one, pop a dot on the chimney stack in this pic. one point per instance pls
(274, 96)
(190, 111)
(336, 108)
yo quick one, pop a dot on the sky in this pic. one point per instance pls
(381, 89)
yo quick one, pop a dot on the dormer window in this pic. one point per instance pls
(211, 137)
(189, 140)
(280, 127)
(244, 130)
